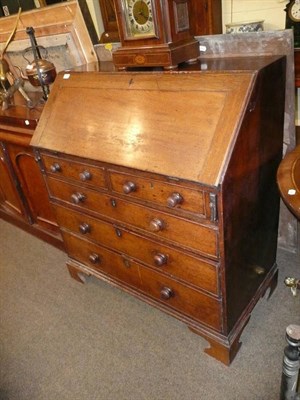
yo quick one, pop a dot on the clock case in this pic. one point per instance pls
(290, 23)
(171, 45)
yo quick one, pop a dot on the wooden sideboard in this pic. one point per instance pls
(23, 194)
(164, 184)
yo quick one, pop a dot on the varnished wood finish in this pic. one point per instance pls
(185, 213)
(10, 199)
(288, 178)
(145, 251)
(141, 98)
(157, 192)
(169, 46)
(111, 33)
(76, 171)
(253, 182)
(205, 17)
(142, 218)
(23, 195)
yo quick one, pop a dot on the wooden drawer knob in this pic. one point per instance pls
(156, 225)
(94, 258)
(84, 228)
(166, 293)
(85, 176)
(174, 199)
(160, 259)
(129, 187)
(78, 198)
(55, 167)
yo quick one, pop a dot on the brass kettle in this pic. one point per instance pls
(40, 72)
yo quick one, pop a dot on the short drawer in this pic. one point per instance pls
(159, 192)
(103, 260)
(192, 235)
(66, 168)
(185, 267)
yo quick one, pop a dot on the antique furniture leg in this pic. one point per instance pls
(224, 352)
(77, 274)
(291, 364)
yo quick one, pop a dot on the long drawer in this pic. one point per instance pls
(200, 238)
(194, 304)
(170, 261)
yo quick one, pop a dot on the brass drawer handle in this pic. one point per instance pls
(84, 228)
(157, 225)
(174, 199)
(55, 167)
(129, 187)
(94, 258)
(85, 176)
(78, 198)
(160, 259)
(166, 293)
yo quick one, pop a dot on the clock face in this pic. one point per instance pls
(139, 16)
(294, 11)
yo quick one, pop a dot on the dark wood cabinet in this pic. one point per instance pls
(166, 186)
(10, 199)
(111, 33)
(23, 194)
(206, 17)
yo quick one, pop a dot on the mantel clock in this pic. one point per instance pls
(154, 33)
(293, 19)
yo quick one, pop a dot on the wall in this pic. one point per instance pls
(271, 11)
(96, 15)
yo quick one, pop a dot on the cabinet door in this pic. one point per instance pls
(10, 193)
(33, 186)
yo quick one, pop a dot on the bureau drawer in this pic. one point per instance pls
(185, 233)
(102, 259)
(181, 298)
(158, 192)
(190, 302)
(165, 259)
(80, 172)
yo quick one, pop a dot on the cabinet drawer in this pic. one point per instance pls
(84, 173)
(165, 194)
(181, 298)
(185, 233)
(165, 259)
(190, 302)
(103, 260)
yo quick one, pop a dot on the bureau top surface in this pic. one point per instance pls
(177, 124)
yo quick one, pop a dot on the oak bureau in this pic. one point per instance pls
(164, 184)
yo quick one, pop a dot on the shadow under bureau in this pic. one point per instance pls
(164, 184)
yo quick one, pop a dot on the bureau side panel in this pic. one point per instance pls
(250, 197)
